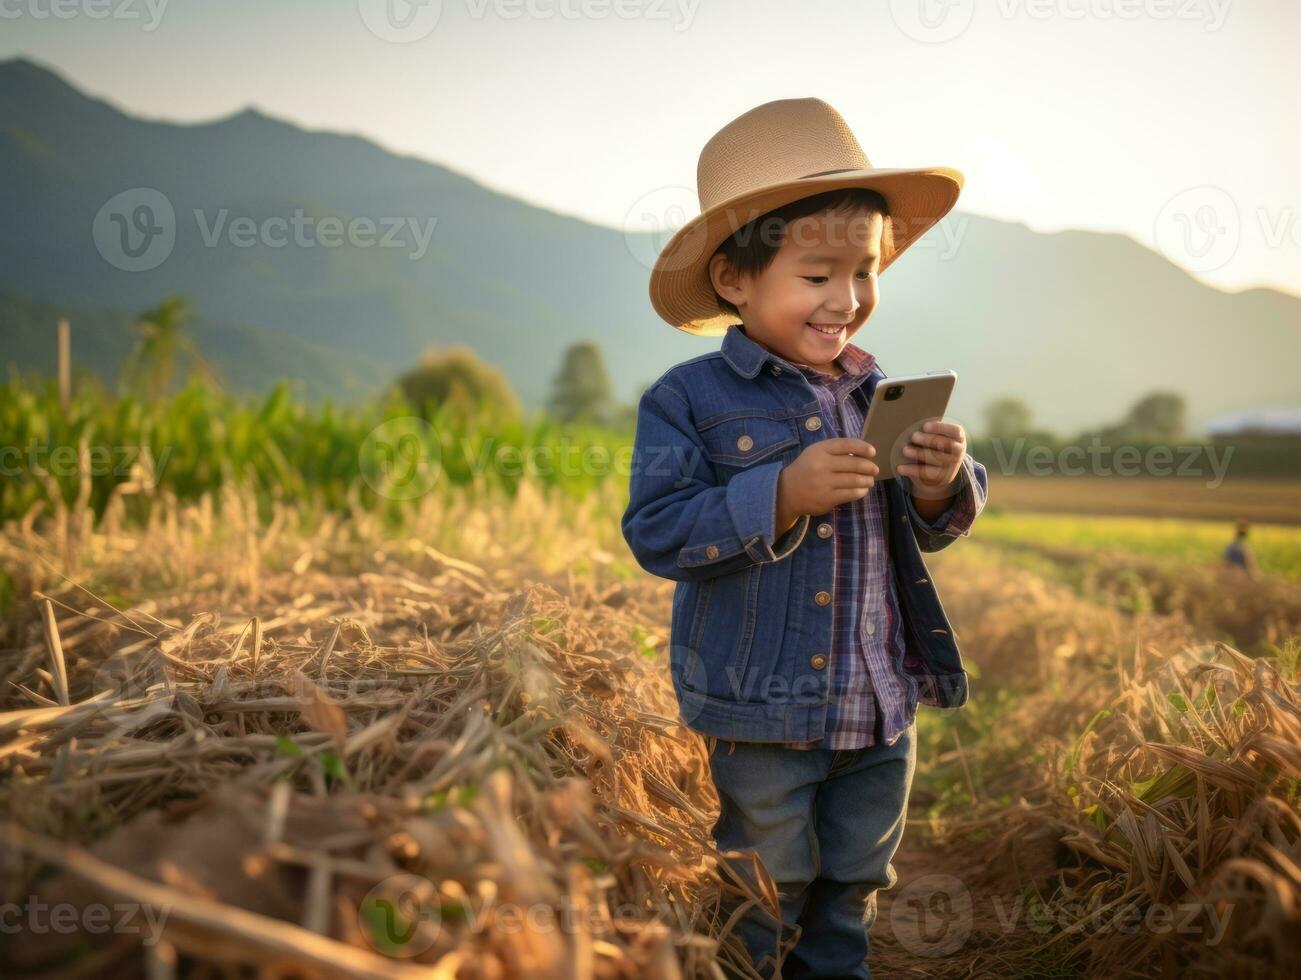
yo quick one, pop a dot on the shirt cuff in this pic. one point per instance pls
(957, 519)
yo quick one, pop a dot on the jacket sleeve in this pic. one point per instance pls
(680, 523)
(955, 522)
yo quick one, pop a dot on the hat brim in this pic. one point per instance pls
(680, 288)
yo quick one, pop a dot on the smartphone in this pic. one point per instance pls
(899, 407)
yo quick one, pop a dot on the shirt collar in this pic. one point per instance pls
(747, 357)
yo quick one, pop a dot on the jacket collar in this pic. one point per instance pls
(747, 357)
(743, 354)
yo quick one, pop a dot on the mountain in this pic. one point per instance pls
(1078, 324)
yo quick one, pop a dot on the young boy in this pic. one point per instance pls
(805, 628)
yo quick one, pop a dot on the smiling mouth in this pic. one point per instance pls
(827, 329)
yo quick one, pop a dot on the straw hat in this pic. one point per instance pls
(772, 155)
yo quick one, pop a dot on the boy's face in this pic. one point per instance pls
(824, 274)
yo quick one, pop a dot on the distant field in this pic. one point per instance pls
(1277, 547)
(1269, 501)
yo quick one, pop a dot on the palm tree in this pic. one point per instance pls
(163, 341)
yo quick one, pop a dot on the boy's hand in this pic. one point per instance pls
(934, 455)
(824, 475)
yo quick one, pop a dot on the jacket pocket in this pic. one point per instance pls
(745, 638)
(735, 442)
(722, 629)
(730, 643)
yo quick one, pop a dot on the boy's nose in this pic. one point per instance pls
(844, 303)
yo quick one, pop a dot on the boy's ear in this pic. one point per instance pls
(726, 282)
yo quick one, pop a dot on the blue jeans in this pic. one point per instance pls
(825, 823)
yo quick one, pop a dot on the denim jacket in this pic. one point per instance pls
(750, 640)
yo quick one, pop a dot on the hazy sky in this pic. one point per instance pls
(1175, 121)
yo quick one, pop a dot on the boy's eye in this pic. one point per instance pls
(822, 279)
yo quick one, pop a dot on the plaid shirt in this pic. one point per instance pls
(867, 627)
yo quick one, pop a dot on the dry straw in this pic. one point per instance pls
(268, 771)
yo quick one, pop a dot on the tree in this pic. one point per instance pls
(1158, 417)
(1007, 418)
(581, 388)
(456, 379)
(163, 341)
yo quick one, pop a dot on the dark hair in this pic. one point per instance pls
(752, 248)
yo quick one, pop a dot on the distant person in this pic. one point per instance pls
(1238, 554)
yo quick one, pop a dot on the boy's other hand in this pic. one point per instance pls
(934, 458)
(827, 473)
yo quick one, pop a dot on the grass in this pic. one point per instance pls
(330, 459)
(1176, 540)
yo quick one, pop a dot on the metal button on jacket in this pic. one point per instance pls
(824, 530)
(744, 443)
(817, 661)
(813, 423)
(870, 627)
(822, 598)
(711, 551)
(775, 369)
